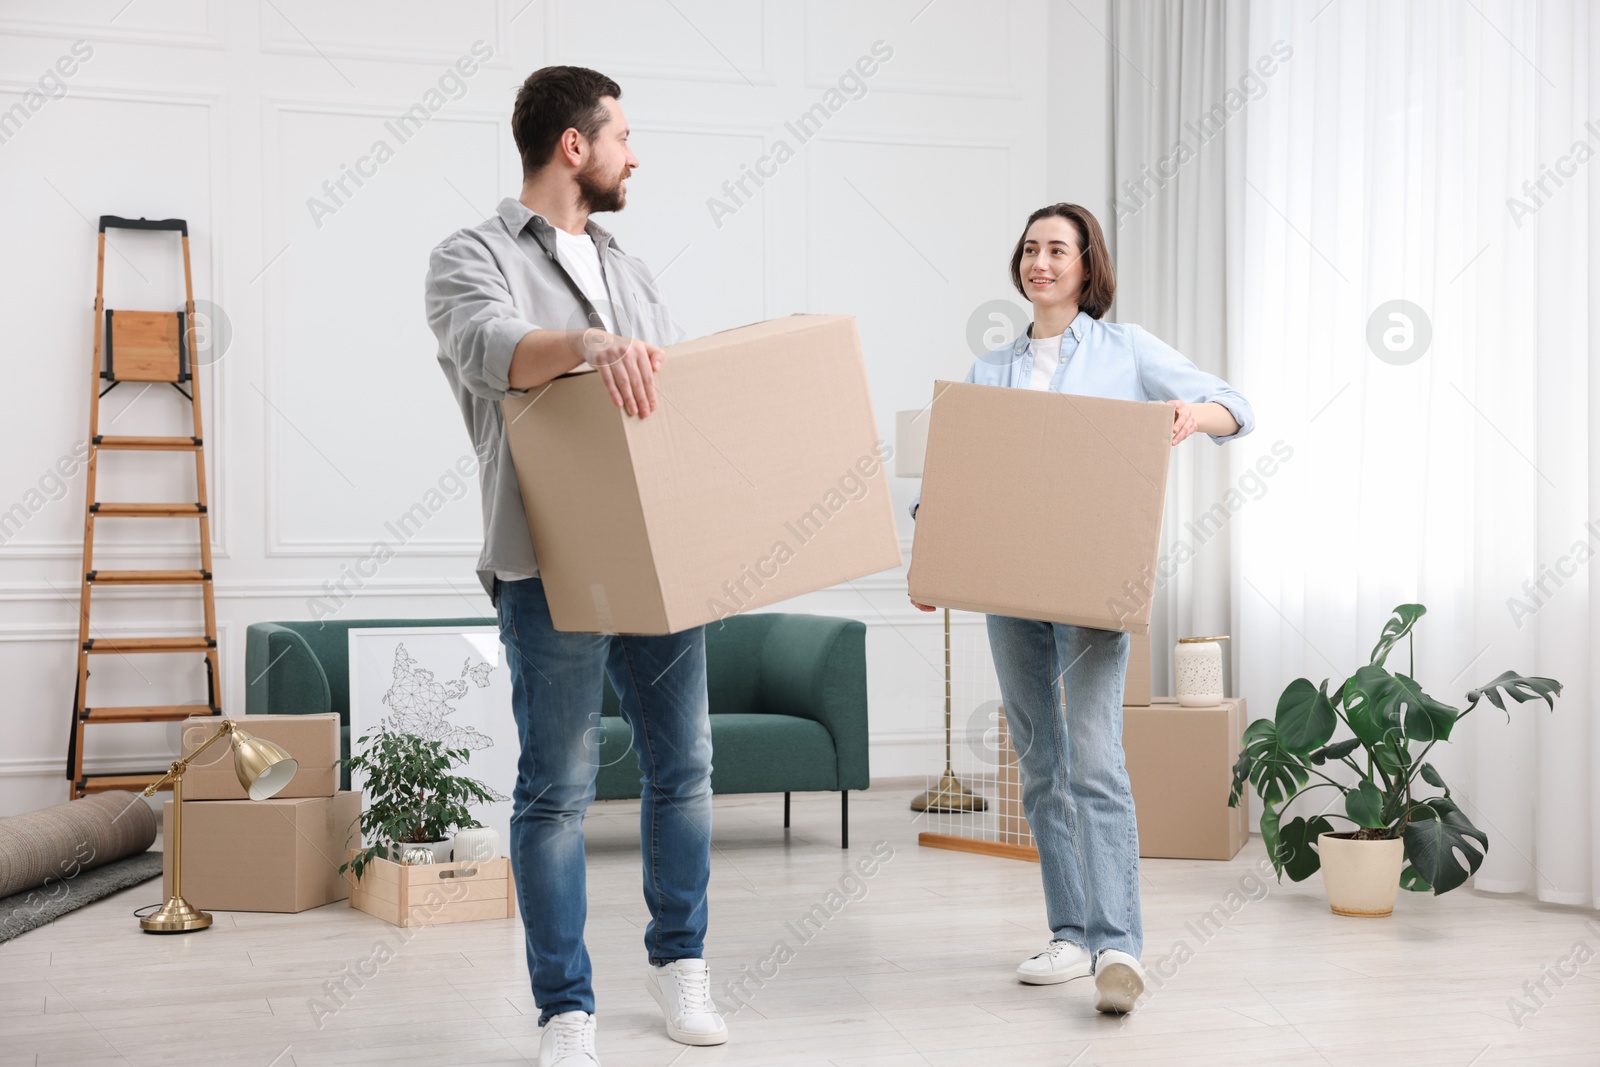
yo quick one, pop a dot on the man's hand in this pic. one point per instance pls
(628, 367)
(923, 607)
(1184, 422)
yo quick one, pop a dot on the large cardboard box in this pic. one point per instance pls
(1180, 765)
(1137, 682)
(760, 477)
(313, 741)
(1180, 761)
(264, 855)
(1041, 505)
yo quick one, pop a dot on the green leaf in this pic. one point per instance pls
(1270, 838)
(1369, 704)
(1400, 623)
(1305, 718)
(1413, 882)
(1431, 776)
(1424, 718)
(1389, 758)
(1364, 805)
(1518, 688)
(1296, 847)
(1336, 751)
(1443, 845)
(1276, 773)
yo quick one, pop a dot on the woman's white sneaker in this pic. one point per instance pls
(1061, 962)
(1118, 982)
(683, 989)
(568, 1041)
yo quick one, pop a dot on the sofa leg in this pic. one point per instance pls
(844, 818)
(786, 811)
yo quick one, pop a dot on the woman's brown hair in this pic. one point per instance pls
(1099, 277)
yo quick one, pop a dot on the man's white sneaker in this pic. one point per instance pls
(1118, 982)
(568, 1041)
(683, 989)
(1061, 962)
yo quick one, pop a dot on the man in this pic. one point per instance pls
(534, 292)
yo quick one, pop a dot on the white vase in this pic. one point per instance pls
(1197, 671)
(476, 843)
(1362, 878)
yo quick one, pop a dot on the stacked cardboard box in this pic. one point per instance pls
(281, 854)
(1180, 764)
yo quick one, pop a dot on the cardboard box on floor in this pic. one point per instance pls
(1180, 765)
(313, 741)
(1137, 682)
(1041, 505)
(263, 855)
(760, 477)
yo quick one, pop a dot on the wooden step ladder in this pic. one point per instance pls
(150, 347)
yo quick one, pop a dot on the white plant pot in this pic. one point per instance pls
(477, 844)
(1362, 878)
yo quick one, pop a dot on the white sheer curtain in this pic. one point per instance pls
(1174, 158)
(1386, 161)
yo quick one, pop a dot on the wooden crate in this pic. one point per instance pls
(434, 893)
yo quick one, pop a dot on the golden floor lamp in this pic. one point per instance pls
(263, 769)
(910, 448)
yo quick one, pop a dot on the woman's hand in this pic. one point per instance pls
(923, 607)
(1184, 422)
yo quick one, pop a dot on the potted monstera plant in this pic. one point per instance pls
(1398, 837)
(413, 797)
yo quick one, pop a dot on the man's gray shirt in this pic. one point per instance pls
(488, 286)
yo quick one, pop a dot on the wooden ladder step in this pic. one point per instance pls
(97, 645)
(148, 444)
(147, 713)
(145, 511)
(99, 577)
(133, 783)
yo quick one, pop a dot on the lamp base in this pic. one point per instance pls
(176, 916)
(949, 796)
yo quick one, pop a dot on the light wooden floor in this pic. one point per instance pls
(917, 971)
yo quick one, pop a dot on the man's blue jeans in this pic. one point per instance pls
(1075, 789)
(556, 681)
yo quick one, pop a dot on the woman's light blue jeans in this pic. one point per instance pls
(1075, 788)
(556, 681)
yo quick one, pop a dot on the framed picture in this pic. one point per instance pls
(447, 684)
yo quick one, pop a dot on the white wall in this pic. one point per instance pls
(328, 415)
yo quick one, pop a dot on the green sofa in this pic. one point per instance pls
(788, 700)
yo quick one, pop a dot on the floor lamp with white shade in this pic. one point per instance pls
(910, 447)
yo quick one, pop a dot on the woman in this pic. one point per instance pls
(1074, 784)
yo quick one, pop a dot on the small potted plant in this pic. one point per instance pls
(1399, 839)
(414, 798)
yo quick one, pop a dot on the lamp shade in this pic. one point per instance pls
(263, 767)
(910, 442)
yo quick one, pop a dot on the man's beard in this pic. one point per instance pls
(596, 194)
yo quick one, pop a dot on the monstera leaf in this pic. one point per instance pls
(1266, 764)
(1400, 623)
(1439, 840)
(1336, 751)
(1370, 705)
(1518, 688)
(1422, 717)
(1305, 718)
(1364, 805)
(1296, 853)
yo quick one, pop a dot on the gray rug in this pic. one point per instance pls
(33, 908)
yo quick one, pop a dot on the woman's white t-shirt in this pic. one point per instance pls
(1046, 357)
